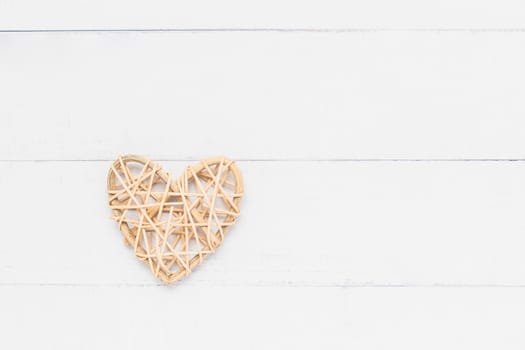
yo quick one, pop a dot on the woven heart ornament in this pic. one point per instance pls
(173, 224)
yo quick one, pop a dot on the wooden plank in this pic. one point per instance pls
(262, 95)
(163, 14)
(303, 224)
(262, 318)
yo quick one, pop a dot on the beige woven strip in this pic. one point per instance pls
(173, 225)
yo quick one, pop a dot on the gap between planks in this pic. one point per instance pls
(192, 159)
(272, 30)
(282, 284)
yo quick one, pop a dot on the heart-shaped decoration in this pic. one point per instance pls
(173, 224)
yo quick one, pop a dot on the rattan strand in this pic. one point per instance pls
(173, 224)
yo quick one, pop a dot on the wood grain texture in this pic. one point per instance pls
(303, 224)
(262, 95)
(163, 14)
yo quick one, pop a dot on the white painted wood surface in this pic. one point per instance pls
(261, 318)
(383, 169)
(227, 14)
(262, 95)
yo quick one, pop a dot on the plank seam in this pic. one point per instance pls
(285, 284)
(278, 30)
(335, 160)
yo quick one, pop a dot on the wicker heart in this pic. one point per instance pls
(173, 224)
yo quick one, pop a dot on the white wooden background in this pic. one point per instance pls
(382, 146)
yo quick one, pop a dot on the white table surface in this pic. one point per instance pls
(382, 146)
